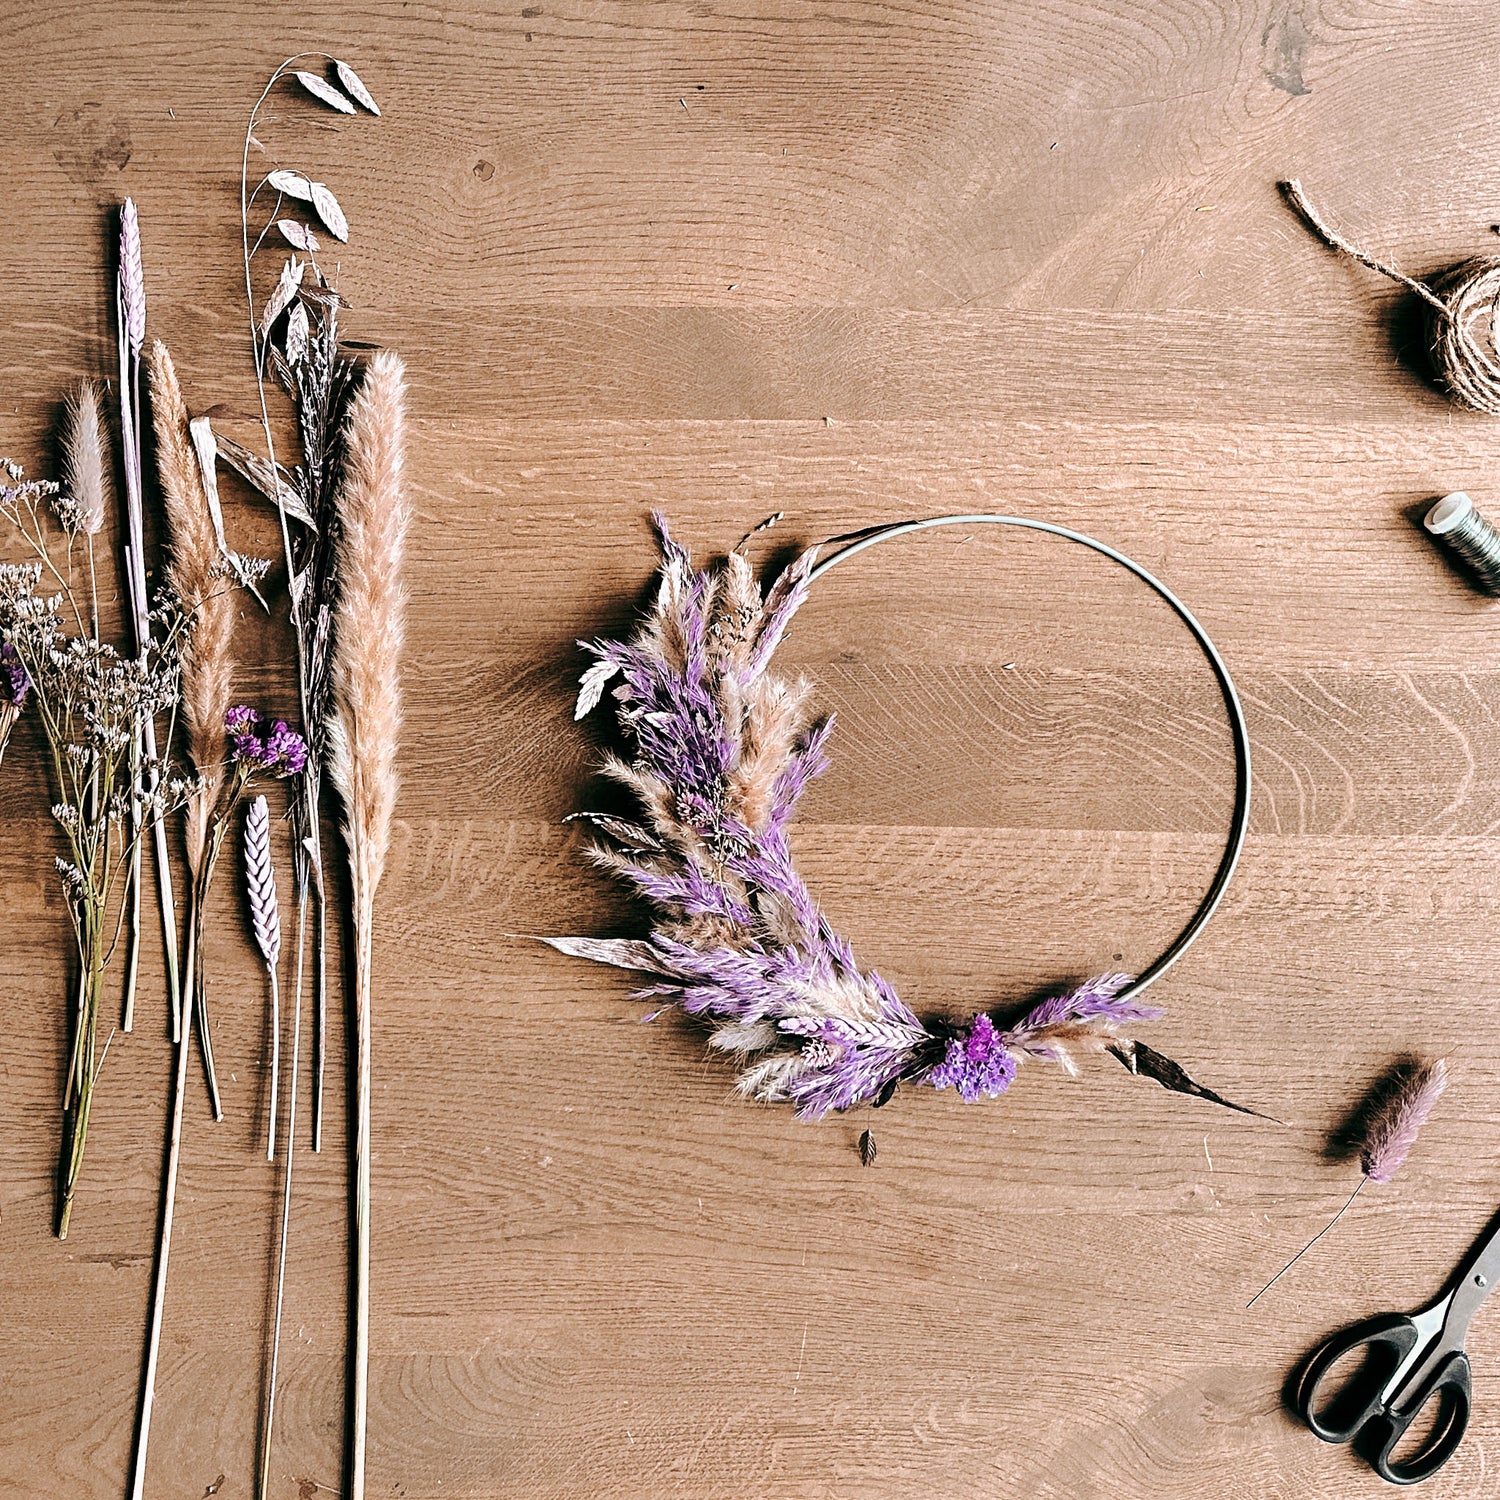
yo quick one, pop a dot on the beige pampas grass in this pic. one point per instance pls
(87, 473)
(374, 515)
(195, 574)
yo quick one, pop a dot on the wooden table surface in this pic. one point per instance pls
(854, 261)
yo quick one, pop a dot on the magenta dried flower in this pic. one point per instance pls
(280, 751)
(976, 1063)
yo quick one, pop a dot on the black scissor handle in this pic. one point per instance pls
(1451, 1387)
(1386, 1342)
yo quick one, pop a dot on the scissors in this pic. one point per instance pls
(1409, 1363)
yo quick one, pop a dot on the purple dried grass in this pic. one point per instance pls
(1392, 1130)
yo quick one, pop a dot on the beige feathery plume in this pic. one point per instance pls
(87, 473)
(374, 515)
(195, 575)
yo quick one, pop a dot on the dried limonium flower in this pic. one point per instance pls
(722, 751)
(1391, 1118)
(90, 704)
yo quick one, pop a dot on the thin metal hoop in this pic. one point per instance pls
(857, 542)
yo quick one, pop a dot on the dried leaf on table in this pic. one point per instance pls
(324, 92)
(293, 184)
(1150, 1063)
(354, 87)
(329, 212)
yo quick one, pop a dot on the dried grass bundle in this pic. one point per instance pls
(374, 516)
(1389, 1119)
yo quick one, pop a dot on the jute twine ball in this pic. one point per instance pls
(1462, 306)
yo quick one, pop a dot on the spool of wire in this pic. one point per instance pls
(1464, 532)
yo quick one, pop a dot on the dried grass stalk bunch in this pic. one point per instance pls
(91, 704)
(294, 337)
(374, 516)
(722, 749)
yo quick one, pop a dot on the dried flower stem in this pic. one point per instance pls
(375, 515)
(89, 703)
(1394, 1114)
(268, 1397)
(131, 326)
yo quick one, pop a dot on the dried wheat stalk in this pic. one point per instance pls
(265, 923)
(374, 514)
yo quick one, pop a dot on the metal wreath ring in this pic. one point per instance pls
(858, 541)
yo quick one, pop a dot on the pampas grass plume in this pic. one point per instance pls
(194, 574)
(374, 514)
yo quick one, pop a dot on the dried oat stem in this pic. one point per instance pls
(308, 858)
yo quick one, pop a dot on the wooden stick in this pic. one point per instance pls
(163, 1252)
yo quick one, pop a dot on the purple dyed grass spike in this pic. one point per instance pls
(1093, 1000)
(1393, 1131)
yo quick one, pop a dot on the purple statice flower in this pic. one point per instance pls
(977, 1063)
(281, 751)
(286, 750)
(15, 681)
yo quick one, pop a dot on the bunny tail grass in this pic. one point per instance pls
(374, 515)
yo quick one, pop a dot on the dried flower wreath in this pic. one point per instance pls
(722, 752)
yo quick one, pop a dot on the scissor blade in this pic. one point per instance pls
(1473, 1284)
(1429, 1326)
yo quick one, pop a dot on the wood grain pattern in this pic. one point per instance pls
(856, 261)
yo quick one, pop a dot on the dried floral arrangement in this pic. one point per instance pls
(108, 714)
(722, 749)
(342, 516)
(90, 703)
